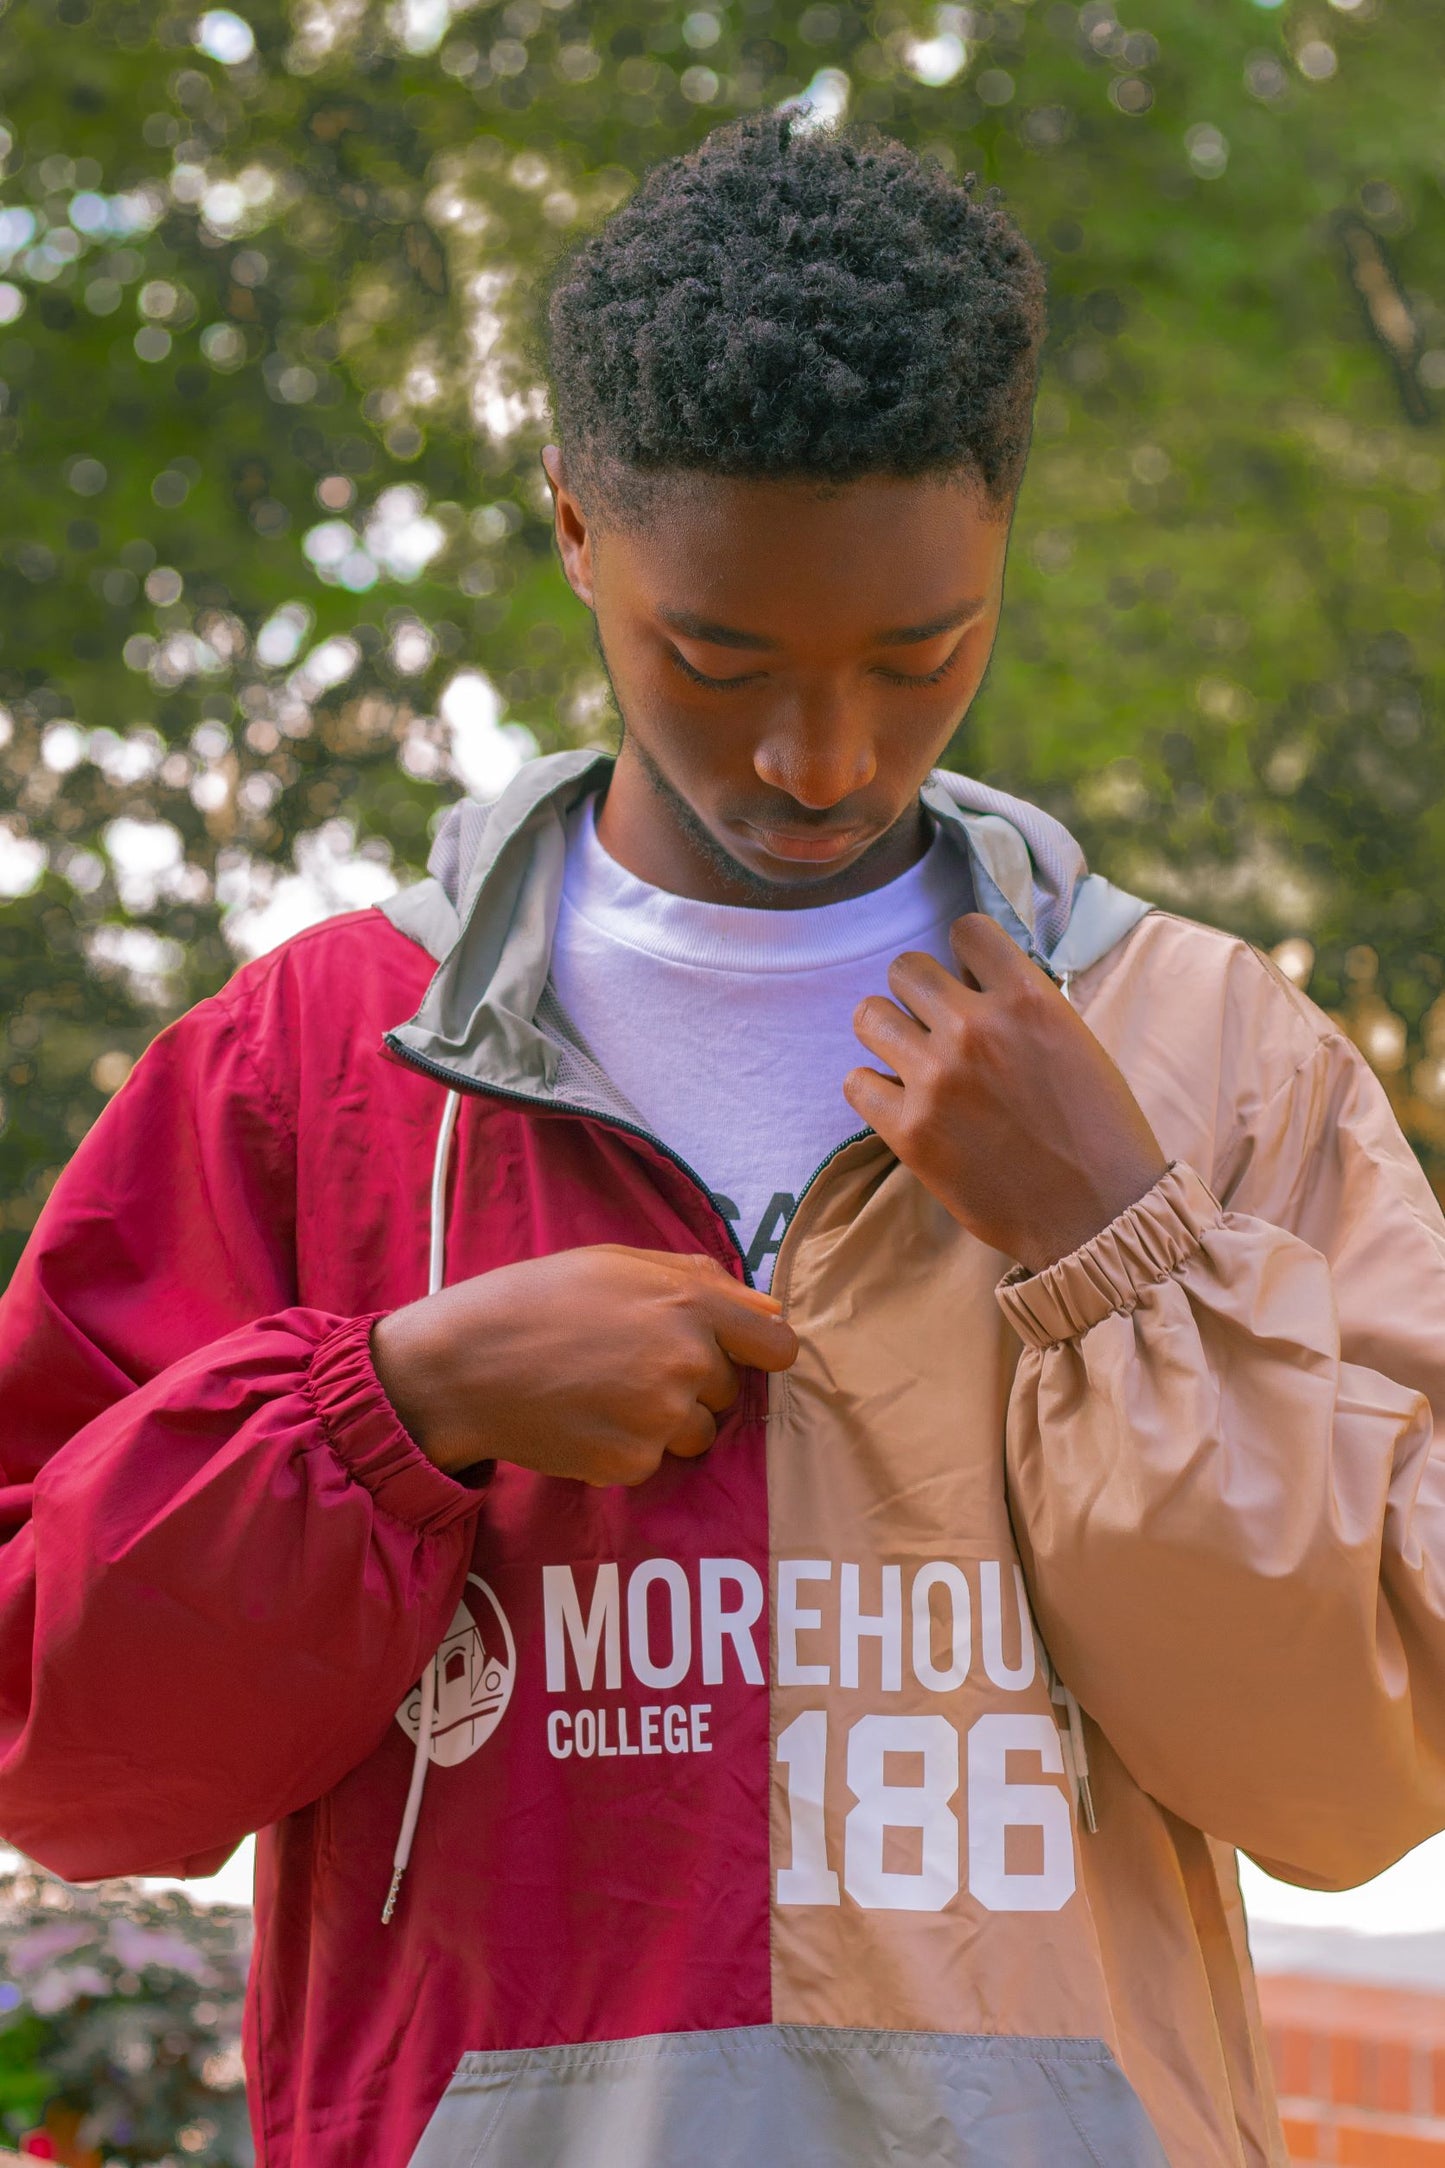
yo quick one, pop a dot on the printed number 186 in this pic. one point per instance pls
(994, 1807)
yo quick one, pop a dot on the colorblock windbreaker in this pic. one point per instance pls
(866, 1792)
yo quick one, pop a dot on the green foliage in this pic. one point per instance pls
(25, 2085)
(262, 292)
(126, 2007)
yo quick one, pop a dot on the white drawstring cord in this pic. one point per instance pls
(1076, 1754)
(1071, 1741)
(437, 1256)
(420, 1761)
(426, 1715)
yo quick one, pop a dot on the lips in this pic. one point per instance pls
(806, 846)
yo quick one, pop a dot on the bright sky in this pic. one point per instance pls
(1409, 1898)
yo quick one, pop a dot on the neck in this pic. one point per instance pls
(649, 828)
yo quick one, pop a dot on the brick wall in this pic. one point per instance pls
(1360, 2070)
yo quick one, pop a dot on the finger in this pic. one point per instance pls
(760, 1340)
(985, 954)
(623, 1469)
(697, 1434)
(927, 988)
(719, 1384)
(888, 1031)
(696, 1264)
(876, 1100)
(720, 1281)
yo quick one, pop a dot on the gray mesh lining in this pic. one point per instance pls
(793, 2096)
(580, 1079)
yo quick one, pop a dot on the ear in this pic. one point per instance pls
(574, 536)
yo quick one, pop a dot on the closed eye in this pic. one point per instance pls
(715, 684)
(932, 677)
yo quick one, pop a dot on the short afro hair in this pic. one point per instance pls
(797, 302)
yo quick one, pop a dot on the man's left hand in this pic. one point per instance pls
(1002, 1101)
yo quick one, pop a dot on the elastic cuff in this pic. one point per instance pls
(1112, 1272)
(366, 1433)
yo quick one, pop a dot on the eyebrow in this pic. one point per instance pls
(705, 629)
(693, 627)
(946, 621)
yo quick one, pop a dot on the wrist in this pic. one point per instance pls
(1044, 1246)
(412, 1368)
(363, 1431)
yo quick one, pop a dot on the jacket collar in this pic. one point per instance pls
(489, 911)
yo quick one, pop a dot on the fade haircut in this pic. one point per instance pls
(801, 303)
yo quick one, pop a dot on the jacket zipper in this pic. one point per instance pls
(859, 1136)
(442, 1075)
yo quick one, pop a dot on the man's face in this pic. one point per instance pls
(789, 664)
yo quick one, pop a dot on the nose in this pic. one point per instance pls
(819, 756)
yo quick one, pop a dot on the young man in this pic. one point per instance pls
(807, 1727)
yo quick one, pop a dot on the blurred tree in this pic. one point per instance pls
(275, 572)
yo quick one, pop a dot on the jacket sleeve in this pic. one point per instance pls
(1230, 1488)
(224, 1561)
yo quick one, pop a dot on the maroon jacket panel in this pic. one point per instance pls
(228, 1564)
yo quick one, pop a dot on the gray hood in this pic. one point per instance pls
(488, 909)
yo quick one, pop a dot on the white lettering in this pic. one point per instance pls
(925, 1670)
(802, 1752)
(885, 1627)
(882, 1806)
(795, 1618)
(562, 1614)
(736, 1626)
(1043, 1881)
(1014, 1677)
(607, 1734)
(995, 1806)
(639, 1641)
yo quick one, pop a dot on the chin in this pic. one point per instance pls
(800, 873)
(769, 879)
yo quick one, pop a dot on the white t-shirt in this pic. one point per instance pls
(730, 1029)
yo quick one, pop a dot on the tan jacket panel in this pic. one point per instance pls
(885, 1465)
(1221, 1455)
(882, 1468)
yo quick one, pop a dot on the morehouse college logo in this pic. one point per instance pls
(476, 1667)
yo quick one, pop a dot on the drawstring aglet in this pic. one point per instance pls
(1071, 1744)
(1079, 1761)
(390, 1906)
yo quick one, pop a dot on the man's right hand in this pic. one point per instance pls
(590, 1363)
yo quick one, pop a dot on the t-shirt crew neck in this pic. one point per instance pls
(729, 1028)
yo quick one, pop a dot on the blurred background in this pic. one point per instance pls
(276, 584)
